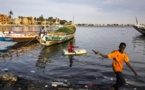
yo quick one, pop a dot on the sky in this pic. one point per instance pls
(83, 11)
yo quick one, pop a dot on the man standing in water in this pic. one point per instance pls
(118, 56)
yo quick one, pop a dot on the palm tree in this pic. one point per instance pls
(10, 14)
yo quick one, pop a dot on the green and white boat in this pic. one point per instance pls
(63, 34)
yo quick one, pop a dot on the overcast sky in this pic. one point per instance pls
(84, 11)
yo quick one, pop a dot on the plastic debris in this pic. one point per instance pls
(64, 83)
(111, 79)
(46, 85)
(32, 71)
(104, 76)
(5, 69)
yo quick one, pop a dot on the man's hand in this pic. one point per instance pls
(128, 64)
(135, 74)
(98, 53)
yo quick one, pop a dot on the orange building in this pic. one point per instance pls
(4, 19)
(30, 20)
(27, 20)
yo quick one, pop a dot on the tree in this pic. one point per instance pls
(35, 18)
(41, 18)
(10, 14)
(19, 17)
(50, 19)
(62, 22)
(70, 22)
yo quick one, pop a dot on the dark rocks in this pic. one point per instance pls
(8, 77)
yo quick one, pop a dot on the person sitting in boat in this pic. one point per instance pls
(70, 49)
(42, 31)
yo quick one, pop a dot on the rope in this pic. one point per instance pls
(16, 51)
(28, 42)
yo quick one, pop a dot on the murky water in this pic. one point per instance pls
(49, 64)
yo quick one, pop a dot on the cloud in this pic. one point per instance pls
(86, 11)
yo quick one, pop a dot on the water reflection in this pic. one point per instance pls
(5, 28)
(18, 48)
(41, 62)
(71, 58)
(139, 40)
(139, 44)
(23, 28)
(50, 52)
(16, 28)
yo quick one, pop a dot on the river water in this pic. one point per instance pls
(82, 69)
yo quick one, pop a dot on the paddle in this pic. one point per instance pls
(94, 51)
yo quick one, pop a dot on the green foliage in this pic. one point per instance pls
(10, 14)
(66, 30)
(62, 22)
(40, 18)
(35, 18)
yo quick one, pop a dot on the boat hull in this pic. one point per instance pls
(23, 39)
(60, 35)
(17, 39)
(55, 41)
(14, 38)
(140, 29)
(6, 39)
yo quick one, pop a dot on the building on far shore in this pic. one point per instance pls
(15, 21)
(31, 20)
(25, 21)
(57, 21)
(4, 19)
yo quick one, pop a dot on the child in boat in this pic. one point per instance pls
(70, 49)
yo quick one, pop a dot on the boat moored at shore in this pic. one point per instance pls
(140, 28)
(17, 36)
(52, 37)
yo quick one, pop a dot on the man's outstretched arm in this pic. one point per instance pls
(104, 56)
(128, 64)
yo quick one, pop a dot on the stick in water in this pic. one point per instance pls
(94, 51)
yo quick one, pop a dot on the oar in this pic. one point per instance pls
(94, 51)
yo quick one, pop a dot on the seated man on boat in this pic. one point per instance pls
(42, 31)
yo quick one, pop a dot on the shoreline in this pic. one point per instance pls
(22, 83)
(39, 25)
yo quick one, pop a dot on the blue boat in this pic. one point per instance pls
(6, 39)
(3, 38)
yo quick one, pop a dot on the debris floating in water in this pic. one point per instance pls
(5, 69)
(111, 79)
(32, 71)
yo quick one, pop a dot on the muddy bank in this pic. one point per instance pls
(9, 81)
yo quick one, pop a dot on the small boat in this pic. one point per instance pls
(140, 28)
(17, 37)
(2, 37)
(77, 52)
(52, 37)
